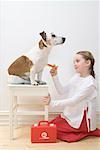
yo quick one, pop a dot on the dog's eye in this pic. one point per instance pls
(53, 35)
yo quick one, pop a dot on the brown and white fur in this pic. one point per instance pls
(24, 69)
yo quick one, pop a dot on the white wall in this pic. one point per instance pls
(21, 21)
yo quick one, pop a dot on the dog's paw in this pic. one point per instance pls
(34, 83)
(42, 82)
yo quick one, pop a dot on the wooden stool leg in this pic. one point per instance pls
(15, 112)
(11, 117)
(46, 112)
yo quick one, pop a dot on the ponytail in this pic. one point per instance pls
(92, 72)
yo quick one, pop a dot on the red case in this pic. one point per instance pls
(43, 133)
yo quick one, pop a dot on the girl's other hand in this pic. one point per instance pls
(46, 100)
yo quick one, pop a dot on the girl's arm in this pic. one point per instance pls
(78, 97)
(60, 89)
(63, 89)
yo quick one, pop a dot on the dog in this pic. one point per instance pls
(32, 63)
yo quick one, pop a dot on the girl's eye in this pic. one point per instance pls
(77, 60)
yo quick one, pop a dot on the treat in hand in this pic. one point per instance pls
(53, 70)
(53, 66)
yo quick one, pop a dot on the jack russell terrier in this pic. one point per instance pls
(24, 69)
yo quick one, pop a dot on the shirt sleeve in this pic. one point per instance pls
(60, 89)
(78, 97)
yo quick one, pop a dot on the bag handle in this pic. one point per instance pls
(43, 121)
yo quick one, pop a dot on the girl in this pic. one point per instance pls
(78, 118)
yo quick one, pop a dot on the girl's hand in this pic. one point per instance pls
(46, 100)
(53, 71)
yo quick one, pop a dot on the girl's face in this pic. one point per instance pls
(80, 64)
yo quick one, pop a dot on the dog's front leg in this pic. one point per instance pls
(32, 76)
(39, 78)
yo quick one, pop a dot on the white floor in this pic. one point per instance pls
(22, 142)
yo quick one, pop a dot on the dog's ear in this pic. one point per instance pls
(41, 44)
(43, 34)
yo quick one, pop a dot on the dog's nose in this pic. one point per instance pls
(63, 39)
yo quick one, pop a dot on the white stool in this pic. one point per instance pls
(17, 90)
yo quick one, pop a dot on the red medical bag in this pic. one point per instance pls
(43, 132)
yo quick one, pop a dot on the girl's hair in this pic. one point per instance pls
(88, 56)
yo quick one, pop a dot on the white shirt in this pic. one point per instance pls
(80, 93)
